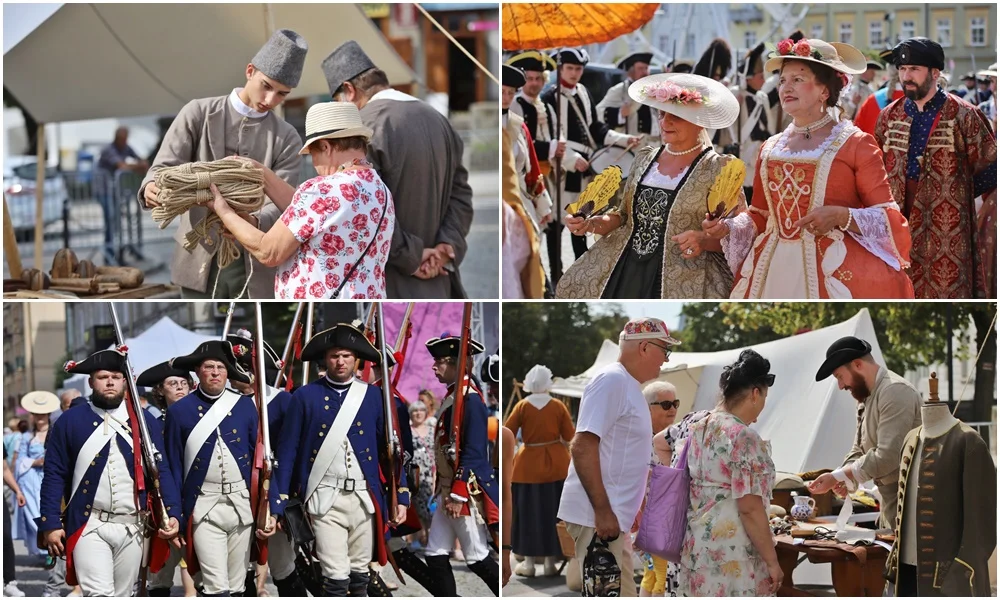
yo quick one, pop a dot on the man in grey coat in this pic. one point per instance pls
(888, 408)
(419, 157)
(239, 124)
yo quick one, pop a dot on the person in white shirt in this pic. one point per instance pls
(607, 476)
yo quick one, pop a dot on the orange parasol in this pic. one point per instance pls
(544, 26)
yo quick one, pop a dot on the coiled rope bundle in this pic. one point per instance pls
(186, 186)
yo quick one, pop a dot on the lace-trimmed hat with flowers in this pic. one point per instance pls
(648, 328)
(843, 58)
(696, 99)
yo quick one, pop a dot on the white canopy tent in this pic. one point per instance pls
(161, 342)
(810, 424)
(88, 61)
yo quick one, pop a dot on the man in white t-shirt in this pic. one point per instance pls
(607, 477)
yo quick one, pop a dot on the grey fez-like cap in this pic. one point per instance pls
(344, 64)
(282, 57)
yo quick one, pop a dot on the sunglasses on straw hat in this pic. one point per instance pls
(332, 120)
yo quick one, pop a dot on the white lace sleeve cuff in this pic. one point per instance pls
(876, 235)
(737, 245)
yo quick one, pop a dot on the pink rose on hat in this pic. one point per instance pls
(802, 48)
(785, 46)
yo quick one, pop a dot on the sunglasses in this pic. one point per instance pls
(768, 379)
(666, 351)
(667, 404)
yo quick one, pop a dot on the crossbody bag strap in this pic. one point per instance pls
(385, 209)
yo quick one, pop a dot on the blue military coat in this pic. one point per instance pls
(473, 458)
(276, 409)
(239, 434)
(63, 445)
(309, 417)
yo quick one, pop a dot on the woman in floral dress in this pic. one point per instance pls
(333, 238)
(728, 548)
(423, 459)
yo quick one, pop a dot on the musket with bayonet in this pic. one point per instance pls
(286, 356)
(151, 456)
(229, 320)
(264, 462)
(394, 449)
(460, 387)
(309, 333)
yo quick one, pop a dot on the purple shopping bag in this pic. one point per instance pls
(664, 522)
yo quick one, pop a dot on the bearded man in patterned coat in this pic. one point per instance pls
(941, 155)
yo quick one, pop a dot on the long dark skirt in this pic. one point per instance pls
(534, 521)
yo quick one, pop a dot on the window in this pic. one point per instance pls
(749, 39)
(977, 31)
(846, 33)
(907, 30)
(944, 32)
(874, 34)
(816, 32)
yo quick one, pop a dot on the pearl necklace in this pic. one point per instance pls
(808, 129)
(698, 146)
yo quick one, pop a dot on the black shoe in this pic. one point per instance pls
(376, 586)
(158, 592)
(417, 570)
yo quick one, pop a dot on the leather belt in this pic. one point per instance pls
(346, 484)
(110, 517)
(209, 487)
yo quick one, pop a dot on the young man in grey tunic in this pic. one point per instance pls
(419, 156)
(241, 123)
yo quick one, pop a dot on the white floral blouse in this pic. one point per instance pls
(727, 460)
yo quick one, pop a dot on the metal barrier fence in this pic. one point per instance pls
(93, 213)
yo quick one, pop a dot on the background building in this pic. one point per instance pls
(34, 349)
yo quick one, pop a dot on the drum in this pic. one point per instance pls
(609, 156)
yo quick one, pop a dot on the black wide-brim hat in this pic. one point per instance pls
(341, 335)
(448, 346)
(842, 352)
(213, 350)
(154, 376)
(102, 360)
(243, 349)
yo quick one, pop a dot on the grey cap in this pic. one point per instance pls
(282, 57)
(344, 64)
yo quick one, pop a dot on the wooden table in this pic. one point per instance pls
(146, 291)
(850, 576)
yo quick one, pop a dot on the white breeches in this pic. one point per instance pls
(344, 537)
(108, 557)
(445, 530)
(222, 545)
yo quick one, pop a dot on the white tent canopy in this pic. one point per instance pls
(810, 424)
(161, 342)
(86, 61)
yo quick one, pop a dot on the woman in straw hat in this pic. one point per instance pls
(823, 222)
(653, 245)
(28, 468)
(333, 238)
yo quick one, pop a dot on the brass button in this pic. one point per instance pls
(234, 431)
(369, 458)
(361, 432)
(87, 482)
(323, 425)
(315, 451)
(95, 423)
(237, 439)
(327, 407)
(230, 413)
(88, 506)
(321, 434)
(312, 460)
(85, 491)
(45, 518)
(327, 398)
(359, 423)
(86, 513)
(93, 463)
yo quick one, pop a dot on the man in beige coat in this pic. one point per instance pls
(889, 407)
(239, 124)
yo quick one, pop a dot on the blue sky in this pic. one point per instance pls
(670, 312)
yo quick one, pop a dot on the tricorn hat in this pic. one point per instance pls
(572, 56)
(681, 65)
(491, 369)
(626, 63)
(102, 360)
(512, 77)
(282, 57)
(532, 60)
(344, 64)
(753, 61)
(447, 346)
(154, 376)
(842, 352)
(242, 342)
(341, 335)
(213, 350)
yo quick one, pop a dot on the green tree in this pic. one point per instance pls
(707, 328)
(564, 336)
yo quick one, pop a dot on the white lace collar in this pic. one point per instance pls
(781, 147)
(241, 107)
